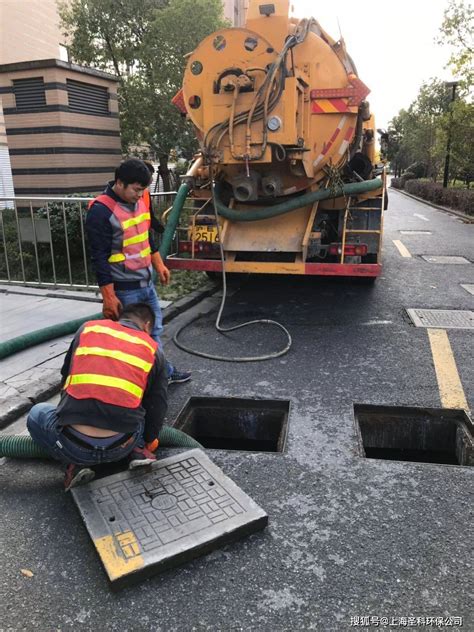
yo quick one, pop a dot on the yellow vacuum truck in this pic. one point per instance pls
(287, 166)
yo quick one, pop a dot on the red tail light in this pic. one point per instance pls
(199, 247)
(350, 250)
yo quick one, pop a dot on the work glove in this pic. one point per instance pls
(111, 305)
(162, 271)
(152, 446)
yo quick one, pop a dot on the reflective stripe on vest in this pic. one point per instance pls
(121, 335)
(118, 355)
(111, 364)
(136, 239)
(121, 257)
(105, 380)
(136, 220)
(135, 248)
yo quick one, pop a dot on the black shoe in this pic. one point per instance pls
(178, 377)
(139, 457)
(77, 475)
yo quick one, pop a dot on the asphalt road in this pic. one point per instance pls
(348, 537)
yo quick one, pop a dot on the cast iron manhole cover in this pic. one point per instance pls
(142, 523)
(445, 259)
(468, 287)
(442, 318)
(415, 232)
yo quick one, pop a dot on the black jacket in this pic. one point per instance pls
(103, 233)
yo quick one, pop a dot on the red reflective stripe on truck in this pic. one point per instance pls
(321, 269)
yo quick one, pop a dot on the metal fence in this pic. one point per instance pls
(44, 243)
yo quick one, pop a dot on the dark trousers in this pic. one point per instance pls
(42, 424)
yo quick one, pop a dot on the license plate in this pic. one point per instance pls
(203, 232)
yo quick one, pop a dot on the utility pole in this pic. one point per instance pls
(453, 85)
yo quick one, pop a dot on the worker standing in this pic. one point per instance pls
(123, 251)
(114, 397)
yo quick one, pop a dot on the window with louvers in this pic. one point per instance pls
(29, 93)
(87, 98)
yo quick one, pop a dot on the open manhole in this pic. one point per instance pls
(422, 435)
(231, 423)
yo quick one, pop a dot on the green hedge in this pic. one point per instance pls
(457, 199)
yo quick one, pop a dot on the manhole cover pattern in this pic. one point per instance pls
(442, 318)
(445, 259)
(148, 519)
(468, 287)
(415, 232)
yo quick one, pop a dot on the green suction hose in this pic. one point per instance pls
(23, 447)
(173, 219)
(353, 188)
(9, 347)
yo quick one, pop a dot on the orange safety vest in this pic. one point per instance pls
(111, 364)
(135, 252)
(147, 199)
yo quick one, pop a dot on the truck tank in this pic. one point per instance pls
(287, 152)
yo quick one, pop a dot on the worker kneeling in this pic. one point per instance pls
(114, 397)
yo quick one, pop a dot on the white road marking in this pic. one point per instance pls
(403, 250)
(375, 321)
(421, 217)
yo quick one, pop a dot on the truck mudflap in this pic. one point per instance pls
(321, 269)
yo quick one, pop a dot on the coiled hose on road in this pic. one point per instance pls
(248, 216)
(23, 447)
(33, 338)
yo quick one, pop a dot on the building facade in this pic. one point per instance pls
(61, 120)
(29, 30)
(61, 125)
(6, 177)
(235, 11)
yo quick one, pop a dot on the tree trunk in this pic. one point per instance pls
(164, 172)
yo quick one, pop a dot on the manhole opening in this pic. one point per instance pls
(422, 435)
(230, 423)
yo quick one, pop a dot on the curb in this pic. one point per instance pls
(467, 218)
(188, 301)
(23, 404)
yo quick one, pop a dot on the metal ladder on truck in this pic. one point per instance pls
(353, 231)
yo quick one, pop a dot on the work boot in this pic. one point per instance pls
(139, 457)
(77, 475)
(178, 377)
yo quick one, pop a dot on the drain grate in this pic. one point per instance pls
(231, 423)
(422, 435)
(445, 259)
(415, 232)
(442, 318)
(182, 507)
(468, 287)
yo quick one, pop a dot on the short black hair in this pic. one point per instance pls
(133, 170)
(142, 311)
